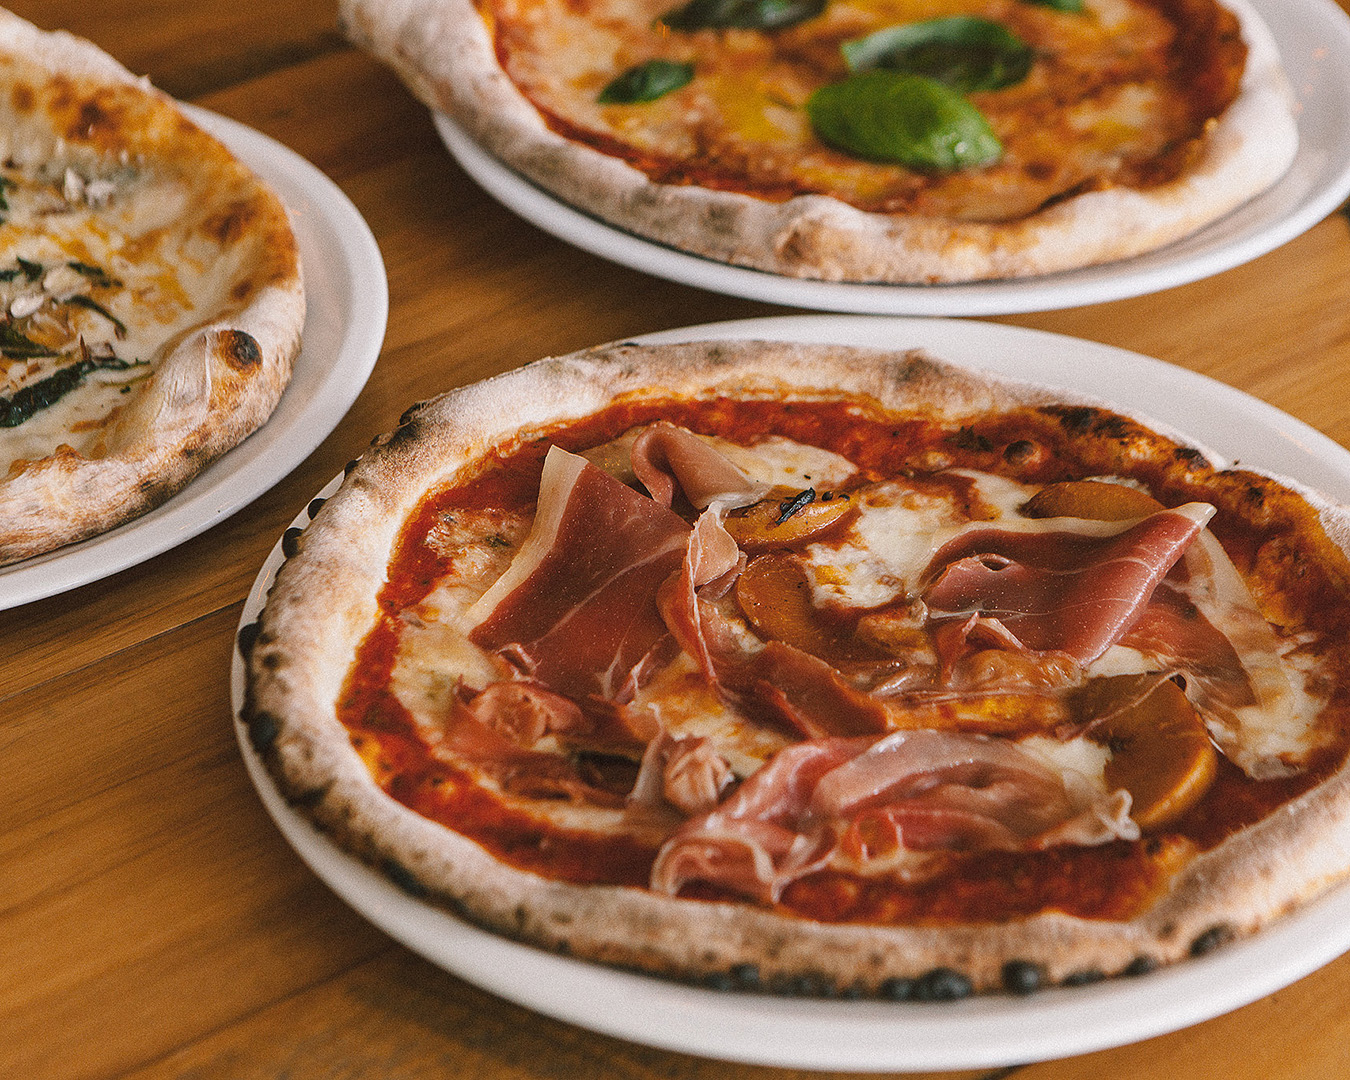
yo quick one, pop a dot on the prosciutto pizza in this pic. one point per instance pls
(895, 141)
(151, 301)
(815, 669)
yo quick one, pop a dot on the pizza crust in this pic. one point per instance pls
(442, 50)
(299, 659)
(214, 381)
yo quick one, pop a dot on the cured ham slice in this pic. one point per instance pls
(1204, 623)
(1061, 591)
(685, 772)
(864, 799)
(576, 609)
(667, 458)
(711, 562)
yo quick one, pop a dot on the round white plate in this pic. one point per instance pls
(347, 299)
(874, 1035)
(1314, 41)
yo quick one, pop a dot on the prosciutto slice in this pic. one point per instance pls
(667, 458)
(576, 610)
(864, 799)
(1061, 591)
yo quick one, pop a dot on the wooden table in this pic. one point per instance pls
(153, 922)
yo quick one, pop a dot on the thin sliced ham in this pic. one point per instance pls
(1061, 591)
(576, 609)
(668, 458)
(1203, 623)
(684, 771)
(918, 790)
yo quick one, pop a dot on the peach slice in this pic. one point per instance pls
(1094, 500)
(785, 519)
(1160, 751)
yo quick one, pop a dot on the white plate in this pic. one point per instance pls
(347, 299)
(1314, 41)
(873, 1035)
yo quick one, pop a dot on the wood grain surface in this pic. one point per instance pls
(153, 922)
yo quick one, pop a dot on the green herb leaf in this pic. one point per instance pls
(93, 305)
(646, 82)
(964, 52)
(907, 119)
(96, 274)
(1058, 5)
(45, 392)
(31, 270)
(742, 14)
(19, 346)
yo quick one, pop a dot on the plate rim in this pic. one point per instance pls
(857, 1035)
(1165, 268)
(325, 221)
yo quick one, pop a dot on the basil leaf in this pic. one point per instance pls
(962, 51)
(91, 304)
(646, 82)
(1059, 5)
(742, 14)
(907, 119)
(47, 392)
(19, 346)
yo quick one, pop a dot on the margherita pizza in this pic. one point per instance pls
(151, 294)
(864, 140)
(816, 669)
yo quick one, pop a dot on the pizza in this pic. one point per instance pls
(151, 292)
(890, 141)
(816, 669)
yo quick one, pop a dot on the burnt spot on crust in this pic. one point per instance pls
(240, 350)
(1075, 419)
(1022, 977)
(89, 118)
(1084, 978)
(247, 637)
(405, 879)
(942, 984)
(896, 989)
(405, 434)
(263, 729)
(1189, 456)
(1140, 965)
(803, 984)
(1211, 939)
(939, 984)
(314, 507)
(917, 368)
(228, 225)
(290, 542)
(745, 976)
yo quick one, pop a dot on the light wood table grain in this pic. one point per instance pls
(153, 922)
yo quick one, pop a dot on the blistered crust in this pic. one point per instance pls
(324, 601)
(443, 51)
(212, 385)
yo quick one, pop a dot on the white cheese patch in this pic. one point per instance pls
(787, 463)
(686, 707)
